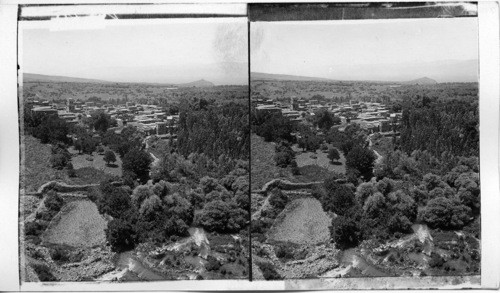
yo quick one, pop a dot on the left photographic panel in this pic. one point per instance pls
(134, 142)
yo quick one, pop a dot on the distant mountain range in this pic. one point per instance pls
(269, 76)
(198, 83)
(32, 77)
(439, 71)
(423, 80)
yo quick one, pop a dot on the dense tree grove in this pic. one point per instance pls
(440, 126)
(333, 155)
(100, 121)
(136, 163)
(346, 140)
(222, 217)
(335, 197)
(445, 213)
(129, 138)
(272, 126)
(284, 155)
(47, 128)
(206, 170)
(324, 120)
(109, 157)
(361, 160)
(214, 130)
(423, 175)
(308, 140)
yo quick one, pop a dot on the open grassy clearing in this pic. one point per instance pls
(37, 169)
(263, 167)
(97, 162)
(89, 175)
(313, 173)
(319, 158)
(77, 224)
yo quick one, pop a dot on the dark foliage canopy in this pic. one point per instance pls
(138, 163)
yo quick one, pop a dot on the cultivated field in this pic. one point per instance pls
(77, 224)
(303, 221)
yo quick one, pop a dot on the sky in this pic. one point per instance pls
(170, 52)
(394, 50)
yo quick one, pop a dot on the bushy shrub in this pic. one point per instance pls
(113, 200)
(33, 228)
(363, 191)
(436, 260)
(336, 197)
(59, 254)
(109, 156)
(268, 271)
(196, 198)
(227, 181)
(474, 228)
(162, 188)
(177, 206)
(120, 235)
(222, 195)
(70, 170)
(399, 223)
(140, 193)
(45, 216)
(345, 232)
(285, 252)
(362, 160)
(375, 206)
(283, 159)
(151, 208)
(53, 201)
(241, 184)
(137, 162)
(175, 226)
(222, 217)
(278, 199)
(213, 264)
(43, 272)
(59, 161)
(295, 168)
(333, 155)
(209, 184)
(242, 199)
(445, 213)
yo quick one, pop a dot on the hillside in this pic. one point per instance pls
(32, 77)
(198, 83)
(421, 81)
(269, 76)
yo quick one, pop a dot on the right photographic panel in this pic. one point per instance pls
(365, 141)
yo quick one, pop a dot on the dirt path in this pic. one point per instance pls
(264, 205)
(198, 236)
(156, 160)
(370, 144)
(128, 267)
